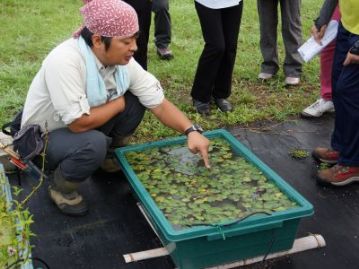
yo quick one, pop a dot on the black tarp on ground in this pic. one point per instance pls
(115, 226)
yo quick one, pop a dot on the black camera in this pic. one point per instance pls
(355, 48)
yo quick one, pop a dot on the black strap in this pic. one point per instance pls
(5, 128)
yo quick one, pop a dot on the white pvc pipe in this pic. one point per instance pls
(144, 255)
(300, 244)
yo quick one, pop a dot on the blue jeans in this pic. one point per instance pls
(345, 84)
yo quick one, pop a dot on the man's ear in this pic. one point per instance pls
(96, 40)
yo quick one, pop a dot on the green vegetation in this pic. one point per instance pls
(30, 29)
(190, 194)
(15, 231)
(297, 153)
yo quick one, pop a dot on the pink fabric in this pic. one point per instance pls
(326, 64)
(110, 18)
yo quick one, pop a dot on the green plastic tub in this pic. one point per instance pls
(204, 246)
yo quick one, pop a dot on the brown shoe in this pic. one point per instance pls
(325, 155)
(110, 165)
(338, 175)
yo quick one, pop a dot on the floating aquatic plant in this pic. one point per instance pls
(190, 194)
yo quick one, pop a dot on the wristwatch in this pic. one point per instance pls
(355, 48)
(194, 128)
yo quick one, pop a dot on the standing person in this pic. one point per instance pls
(292, 38)
(143, 9)
(92, 94)
(324, 103)
(345, 79)
(220, 22)
(162, 28)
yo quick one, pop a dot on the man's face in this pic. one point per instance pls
(120, 52)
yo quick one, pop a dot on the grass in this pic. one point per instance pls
(30, 29)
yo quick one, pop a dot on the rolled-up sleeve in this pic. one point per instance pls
(66, 84)
(144, 85)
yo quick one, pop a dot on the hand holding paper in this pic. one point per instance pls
(311, 48)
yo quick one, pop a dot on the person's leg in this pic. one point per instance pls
(268, 21)
(231, 20)
(292, 37)
(73, 161)
(326, 64)
(162, 22)
(80, 156)
(211, 57)
(120, 128)
(323, 104)
(345, 138)
(162, 30)
(125, 123)
(143, 9)
(346, 101)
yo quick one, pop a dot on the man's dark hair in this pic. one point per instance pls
(87, 36)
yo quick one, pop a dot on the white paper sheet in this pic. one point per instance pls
(311, 48)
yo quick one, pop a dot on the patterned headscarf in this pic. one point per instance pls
(109, 18)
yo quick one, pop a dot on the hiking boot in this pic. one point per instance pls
(110, 165)
(265, 76)
(292, 81)
(63, 193)
(164, 53)
(318, 108)
(223, 104)
(325, 155)
(201, 107)
(338, 175)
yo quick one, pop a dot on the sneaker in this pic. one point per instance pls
(202, 107)
(291, 81)
(164, 53)
(223, 104)
(318, 108)
(325, 155)
(265, 76)
(338, 175)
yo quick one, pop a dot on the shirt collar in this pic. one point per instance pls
(101, 67)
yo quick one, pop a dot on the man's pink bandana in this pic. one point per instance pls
(109, 18)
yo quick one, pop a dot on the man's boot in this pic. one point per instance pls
(110, 164)
(63, 193)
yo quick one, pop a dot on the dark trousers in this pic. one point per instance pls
(291, 33)
(143, 9)
(220, 29)
(345, 80)
(78, 155)
(162, 23)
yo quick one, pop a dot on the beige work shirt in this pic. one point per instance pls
(57, 95)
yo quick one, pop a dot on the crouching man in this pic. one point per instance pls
(91, 95)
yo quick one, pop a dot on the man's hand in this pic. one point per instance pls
(318, 35)
(351, 59)
(197, 143)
